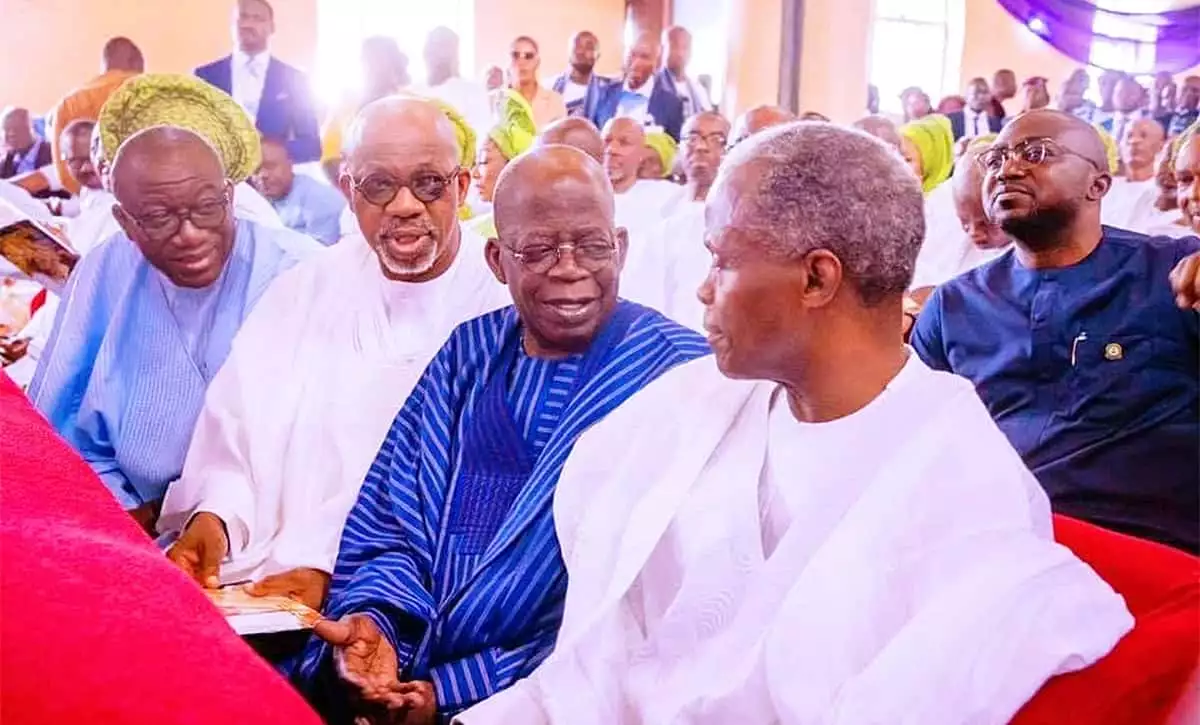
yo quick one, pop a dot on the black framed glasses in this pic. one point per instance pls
(161, 225)
(426, 186)
(1032, 152)
(592, 255)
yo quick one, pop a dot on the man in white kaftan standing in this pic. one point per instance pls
(293, 421)
(837, 534)
(668, 261)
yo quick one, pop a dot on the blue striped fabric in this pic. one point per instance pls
(474, 616)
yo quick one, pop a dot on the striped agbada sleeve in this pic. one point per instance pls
(380, 573)
(464, 682)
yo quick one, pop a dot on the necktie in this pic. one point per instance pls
(252, 99)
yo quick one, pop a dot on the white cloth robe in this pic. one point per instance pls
(295, 417)
(646, 204)
(666, 265)
(920, 586)
(947, 251)
(1130, 205)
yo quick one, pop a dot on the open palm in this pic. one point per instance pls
(363, 656)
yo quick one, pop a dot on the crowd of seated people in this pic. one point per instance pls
(577, 400)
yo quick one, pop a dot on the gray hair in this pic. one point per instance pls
(821, 186)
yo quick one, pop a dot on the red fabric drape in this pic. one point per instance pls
(97, 626)
(1144, 678)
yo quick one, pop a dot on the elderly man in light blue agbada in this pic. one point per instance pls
(149, 315)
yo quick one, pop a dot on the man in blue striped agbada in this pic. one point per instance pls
(449, 584)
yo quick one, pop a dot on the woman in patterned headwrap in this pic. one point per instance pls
(928, 146)
(508, 139)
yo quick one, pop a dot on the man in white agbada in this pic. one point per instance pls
(964, 237)
(813, 527)
(1129, 203)
(670, 262)
(640, 203)
(294, 419)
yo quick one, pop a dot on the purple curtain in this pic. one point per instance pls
(1067, 25)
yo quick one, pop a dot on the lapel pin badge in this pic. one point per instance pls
(1113, 351)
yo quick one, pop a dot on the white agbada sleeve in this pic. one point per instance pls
(1130, 205)
(945, 242)
(295, 417)
(921, 587)
(215, 476)
(667, 263)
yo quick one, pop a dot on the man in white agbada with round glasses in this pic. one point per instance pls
(810, 526)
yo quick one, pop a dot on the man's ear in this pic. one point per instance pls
(128, 225)
(492, 252)
(463, 182)
(825, 276)
(621, 236)
(1100, 186)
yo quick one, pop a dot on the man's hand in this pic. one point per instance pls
(13, 350)
(200, 549)
(307, 586)
(364, 658)
(1185, 282)
(146, 516)
(409, 703)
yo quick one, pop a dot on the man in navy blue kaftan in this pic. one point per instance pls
(449, 584)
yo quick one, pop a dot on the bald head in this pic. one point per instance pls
(166, 152)
(75, 149)
(758, 119)
(1065, 129)
(557, 249)
(967, 188)
(1052, 205)
(575, 132)
(881, 128)
(1143, 141)
(394, 123)
(540, 174)
(123, 54)
(624, 149)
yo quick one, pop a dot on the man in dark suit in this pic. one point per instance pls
(23, 152)
(976, 119)
(274, 94)
(642, 95)
(677, 45)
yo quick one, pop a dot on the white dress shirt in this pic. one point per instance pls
(695, 98)
(975, 123)
(635, 102)
(249, 76)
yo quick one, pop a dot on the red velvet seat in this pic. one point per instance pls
(1146, 678)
